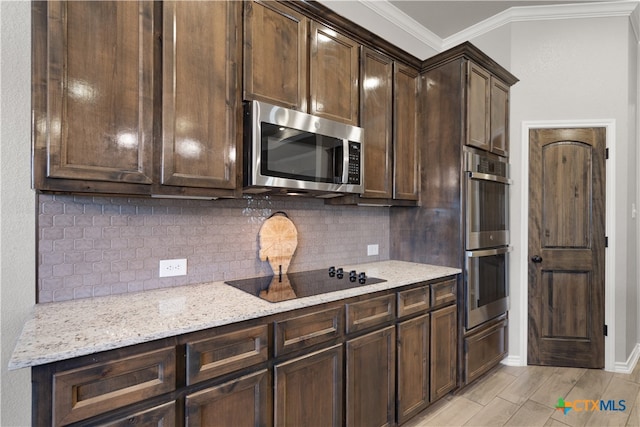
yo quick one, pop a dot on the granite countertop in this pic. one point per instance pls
(63, 330)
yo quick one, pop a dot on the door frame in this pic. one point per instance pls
(521, 264)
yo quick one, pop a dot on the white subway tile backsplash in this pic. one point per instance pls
(93, 246)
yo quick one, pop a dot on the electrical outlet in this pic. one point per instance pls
(372, 250)
(173, 267)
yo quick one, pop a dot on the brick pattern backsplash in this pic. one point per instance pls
(95, 246)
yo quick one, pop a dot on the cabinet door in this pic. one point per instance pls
(241, 402)
(478, 107)
(444, 360)
(413, 367)
(376, 117)
(499, 117)
(201, 109)
(93, 96)
(406, 161)
(276, 55)
(333, 75)
(308, 390)
(371, 379)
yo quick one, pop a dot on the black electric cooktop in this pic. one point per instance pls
(301, 284)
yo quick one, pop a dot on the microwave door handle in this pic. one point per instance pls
(488, 177)
(345, 161)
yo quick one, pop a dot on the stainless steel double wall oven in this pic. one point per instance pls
(486, 192)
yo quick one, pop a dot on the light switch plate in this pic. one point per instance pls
(372, 250)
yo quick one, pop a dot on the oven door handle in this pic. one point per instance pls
(488, 252)
(488, 177)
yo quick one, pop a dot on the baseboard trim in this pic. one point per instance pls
(513, 361)
(628, 366)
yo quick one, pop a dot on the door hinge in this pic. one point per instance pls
(606, 153)
(606, 241)
(606, 330)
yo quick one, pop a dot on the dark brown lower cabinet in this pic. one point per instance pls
(371, 379)
(329, 365)
(308, 389)
(413, 367)
(244, 401)
(444, 358)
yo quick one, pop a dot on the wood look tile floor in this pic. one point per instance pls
(528, 395)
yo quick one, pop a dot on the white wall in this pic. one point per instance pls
(17, 201)
(633, 243)
(569, 78)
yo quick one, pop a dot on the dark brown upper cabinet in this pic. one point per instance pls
(388, 109)
(201, 104)
(487, 111)
(333, 77)
(92, 96)
(276, 58)
(406, 180)
(105, 122)
(295, 62)
(376, 118)
(499, 117)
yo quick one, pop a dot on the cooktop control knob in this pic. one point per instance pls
(332, 271)
(340, 273)
(352, 276)
(362, 278)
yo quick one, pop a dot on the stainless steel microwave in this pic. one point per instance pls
(297, 153)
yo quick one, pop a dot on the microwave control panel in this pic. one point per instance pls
(354, 163)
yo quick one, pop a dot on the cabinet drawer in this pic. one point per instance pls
(91, 390)
(160, 416)
(443, 293)
(371, 312)
(413, 301)
(218, 355)
(484, 350)
(307, 330)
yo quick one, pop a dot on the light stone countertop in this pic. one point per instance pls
(64, 330)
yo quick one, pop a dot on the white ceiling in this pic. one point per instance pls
(445, 18)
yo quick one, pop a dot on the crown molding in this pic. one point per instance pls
(406, 23)
(409, 25)
(635, 22)
(543, 13)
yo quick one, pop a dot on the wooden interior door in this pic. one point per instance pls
(566, 247)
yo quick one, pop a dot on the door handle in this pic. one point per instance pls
(536, 258)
